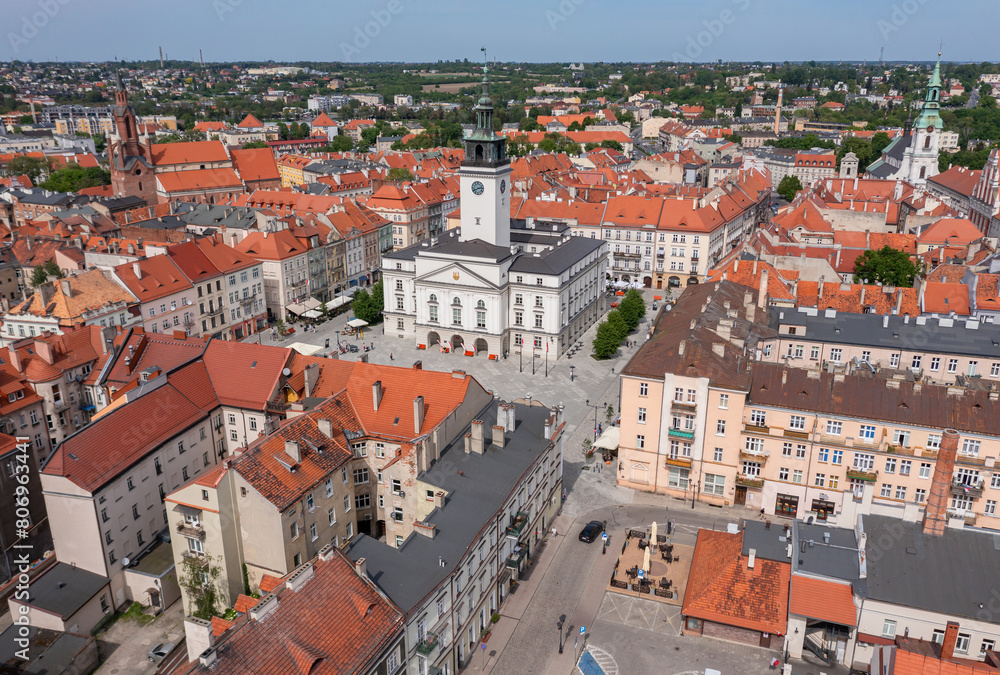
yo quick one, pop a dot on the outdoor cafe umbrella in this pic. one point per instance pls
(652, 537)
(645, 559)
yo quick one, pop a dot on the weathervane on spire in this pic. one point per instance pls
(486, 60)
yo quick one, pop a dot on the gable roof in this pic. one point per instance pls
(721, 588)
(158, 277)
(191, 152)
(271, 245)
(90, 291)
(821, 599)
(256, 164)
(250, 122)
(199, 179)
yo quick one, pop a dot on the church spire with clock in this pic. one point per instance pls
(921, 157)
(485, 177)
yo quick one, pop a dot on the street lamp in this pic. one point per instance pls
(559, 625)
(596, 406)
(571, 369)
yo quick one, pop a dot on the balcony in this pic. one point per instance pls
(855, 473)
(87, 407)
(186, 529)
(972, 489)
(625, 254)
(296, 284)
(199, 559)
(215, 311)
(749, 481)
(968, 516)
(514, 561)
(684, 462)
(755, 455)
(428, 644)
(680, 433)
(517, 525)
(803, 435)
(757, 428)
(188, 322)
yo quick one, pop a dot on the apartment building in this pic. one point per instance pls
(166, 297)
(410, 215)
(104, 486)
(493, 493)
(725, 427)
(284, 263)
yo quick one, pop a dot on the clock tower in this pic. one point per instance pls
(921, 157)
(485, 178)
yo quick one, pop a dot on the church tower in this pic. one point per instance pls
(925, 139)
(131, 160)
(485, 178)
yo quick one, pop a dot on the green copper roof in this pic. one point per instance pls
(929, 115)
(936, 76)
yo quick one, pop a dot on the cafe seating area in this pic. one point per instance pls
(664, 576)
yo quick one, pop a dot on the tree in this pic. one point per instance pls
(400, 173)
(38, 276)
(199, 579)
(368, 306)
(52, 270)
(619, 326)
(33, 167)
(632, 308)
(340, 143)
(606, 342)
(789, 187)
(614, 145)
(254, 144)
(74, 178)
(886, 266)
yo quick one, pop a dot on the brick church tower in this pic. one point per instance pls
(131, 160)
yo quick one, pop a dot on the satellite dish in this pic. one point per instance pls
(125, 562)
(286, 372)
(402, 494)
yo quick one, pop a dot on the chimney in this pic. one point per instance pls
(899, 300)
(310, 375)
(762, 294)
(361, 568)
(439, 499)
(418, 414)
(376, 394)
(292, 450)
(719, 349)
(950, 638)
(136, 270)
(44, 350)
(935, 513)
(477, 436)
(325, 427)
(66, 289)
(680, 348)
(752, 558)
(418, 365)
(498, 437)
(468, 443)
(198, 637)
(15, 358)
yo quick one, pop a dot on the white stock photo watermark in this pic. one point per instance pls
(562, 12)
(365, 33)
(714, 29)
(224, 7)
(40, 13)
(900, 15)
(23, 554)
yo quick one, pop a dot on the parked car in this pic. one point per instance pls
(352, 347)
(591, 531)
(160, 651)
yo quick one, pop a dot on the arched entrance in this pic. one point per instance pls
(659, 282)
(482, 347)
(433, 339)
(456, 343)
(647, 282)
(673, 282)
(625, 278)
(692, 281)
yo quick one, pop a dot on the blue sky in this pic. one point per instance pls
(515, 30)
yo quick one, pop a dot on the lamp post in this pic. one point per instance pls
(559, 625)
(596, 406)
(520, 361)
(571, 369)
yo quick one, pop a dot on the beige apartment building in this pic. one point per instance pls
(704, 418)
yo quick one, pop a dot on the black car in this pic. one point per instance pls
(352, 347)
(591, 531)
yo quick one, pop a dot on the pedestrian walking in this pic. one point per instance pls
(762, 513)
(553, 532)
(391, 357)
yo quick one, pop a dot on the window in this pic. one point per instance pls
(820, 480)
(714, 484)
(893, 360)
(720, 428)
(293, 530)
(901, 492)
(343, 475)
(915, 363)
(360, 476)
(920, 495)
(782, 473)
(885, 491)
(644, 388)
(835, 355)
(889, 628)
(890, 465)
(640, 442)
(834, 482)
(456, 315)
(970, 447)
(864, 461)
(313, 536)
(331, 516)
(867, 432)
(995, 370)
(642, 416)
(925, 470)
(797, 422)
(232, 418)
(837, 457)
(935, 364)
(971, 372)
(986, 646)
(723, 401)
(904, 467)
(938, 636)
(833, 428)
(823, 455)
(130, 483)
(758, 418)
(814, 354)
(362, 501)
(962, 643)
(952, 365)
(717, 454)
(347, 503)
(995, 480)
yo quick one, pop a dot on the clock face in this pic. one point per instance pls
(503, 186)
(477, 188)
(930, 128)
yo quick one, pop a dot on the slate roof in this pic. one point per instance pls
(64, 589)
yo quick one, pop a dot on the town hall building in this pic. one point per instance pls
(493, 286)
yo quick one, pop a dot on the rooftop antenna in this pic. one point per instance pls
(161, 58)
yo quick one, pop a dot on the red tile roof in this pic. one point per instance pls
(259, 366)
(944, 298)
(250, 122)
(159, 277)
(958, 178)
(722, 589)
(323, 121)
(199, 179)
(244, 603)
(278, 245)
(268, 583)
(256, 164)
(335, 623)
(823, 600)
(191, 152)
